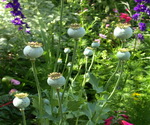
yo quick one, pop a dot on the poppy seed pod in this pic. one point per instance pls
(88, 51)
(123, 54)
(95, 44)
(76, 31)
(21, 100)
(67, 50)
(33, 50)
(59, 61)
(56, 80)
(123, 31)
(69, 64)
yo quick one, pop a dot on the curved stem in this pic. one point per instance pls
(38, 89)
(76, 75)
(112, 75)
(93, 57)
(71, 68)
(113, 91)
(23, 116)
(60, 107)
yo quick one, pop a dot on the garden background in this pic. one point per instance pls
(98, 90)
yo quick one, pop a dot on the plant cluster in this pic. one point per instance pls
(67, 71)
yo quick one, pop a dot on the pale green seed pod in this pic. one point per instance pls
(75, 31)
(21, 100)
(33, 50)
(123, 31)
(56, 80)
(123, 54)
(88, 51)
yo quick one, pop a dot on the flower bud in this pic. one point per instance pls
(56, 80)
(33, 50)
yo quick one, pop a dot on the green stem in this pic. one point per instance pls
(113, 91)
(93, 57)
(76, 75)
(106, 86)
(84, 80)
(77, 120)
(38, 89)
(23, 116)
(60, 32)
(65, 63)
(60, 107)
(71, 68)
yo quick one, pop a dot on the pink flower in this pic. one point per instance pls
(115, 10)
(122, 122)
(15, 82)
(108, 121)
(97, 40)
(12, 91)
(107, 25)
(102, 36)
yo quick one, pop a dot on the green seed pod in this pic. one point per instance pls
(56, 80)
(123, 54)
(76, 31)
(21, 100)
(33, 50)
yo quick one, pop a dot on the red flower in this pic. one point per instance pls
(122, 122)
(125, 16)
(128, 19)
(109, 120)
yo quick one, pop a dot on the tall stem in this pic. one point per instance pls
(38, 89)
(23, 116)
(60, 107)
(60, 32)
(113, 91)
(71, 68)
(84, 79)
(106, 86)
(65, 63)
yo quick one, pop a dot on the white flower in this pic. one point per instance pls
(56, 80)
(33, 50)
